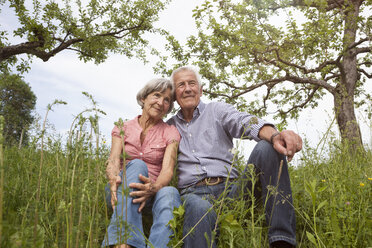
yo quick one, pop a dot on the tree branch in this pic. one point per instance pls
(317, 82)
(307, 100)
(271, 83)
(359, 42)
(304, 69)
(332, 4)
(360, 50)
(12, 50)
(369, 75)
(35, 47)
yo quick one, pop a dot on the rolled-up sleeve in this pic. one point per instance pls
(239, 124)
(172, 135)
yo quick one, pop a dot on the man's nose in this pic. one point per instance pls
(187, 87)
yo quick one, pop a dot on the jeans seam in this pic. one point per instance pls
(281, 238)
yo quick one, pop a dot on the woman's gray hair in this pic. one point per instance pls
(187, 68)
(158, 84)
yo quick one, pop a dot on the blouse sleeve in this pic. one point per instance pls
(116, 131)
(172, 135)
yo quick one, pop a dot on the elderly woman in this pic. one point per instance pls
(151, 148)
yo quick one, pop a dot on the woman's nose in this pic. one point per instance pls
(161, 101)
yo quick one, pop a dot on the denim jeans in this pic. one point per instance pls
(161, 206)
(279, 211)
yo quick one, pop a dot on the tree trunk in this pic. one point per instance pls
(344, 92)
(346, 120)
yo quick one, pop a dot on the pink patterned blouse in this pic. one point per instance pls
(153, 147)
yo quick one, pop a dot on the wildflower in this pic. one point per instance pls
(234, 150)
(361, 184)
(347, 203)
(370, 178)
(323, 180)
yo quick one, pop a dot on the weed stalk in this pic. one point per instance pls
(1, 175)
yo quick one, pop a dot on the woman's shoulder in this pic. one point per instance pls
(168, 130)
(165, 126)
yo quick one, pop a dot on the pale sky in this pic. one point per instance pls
(115, 83)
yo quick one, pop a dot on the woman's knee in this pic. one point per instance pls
(134, 168)
(138, 165)
(168, 195)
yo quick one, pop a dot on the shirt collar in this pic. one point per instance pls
(198, 110)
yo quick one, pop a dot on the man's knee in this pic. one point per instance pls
(264, 153)
(264, 147)
(196, 206)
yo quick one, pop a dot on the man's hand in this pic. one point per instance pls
(144, 191)
(287, 143)
(113, 189)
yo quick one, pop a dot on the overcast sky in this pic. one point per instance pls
(115, 83)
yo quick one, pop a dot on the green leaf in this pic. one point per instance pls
(311, 238)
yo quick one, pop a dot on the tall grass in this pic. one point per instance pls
(63, 182)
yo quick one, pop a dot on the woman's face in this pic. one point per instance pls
(157, 104)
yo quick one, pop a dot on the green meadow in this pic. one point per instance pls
(52, 195)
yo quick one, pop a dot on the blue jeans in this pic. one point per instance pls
(161, 205)
(279, 211)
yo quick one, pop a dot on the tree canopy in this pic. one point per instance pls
(17, 101)
(251, 60)
(90, 28)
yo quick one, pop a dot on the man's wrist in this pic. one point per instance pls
(273, 136)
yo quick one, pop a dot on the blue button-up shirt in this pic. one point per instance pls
(206, 145)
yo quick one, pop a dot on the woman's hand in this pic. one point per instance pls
(144, 191)
(113, 189)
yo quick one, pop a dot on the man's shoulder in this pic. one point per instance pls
(171, 121)
(218, 106)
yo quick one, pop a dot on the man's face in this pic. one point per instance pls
(188, 91)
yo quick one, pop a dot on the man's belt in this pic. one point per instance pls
(210, 181)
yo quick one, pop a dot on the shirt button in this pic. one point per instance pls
(193, 150)
(204, 168)
(141, 153)
(190, 134)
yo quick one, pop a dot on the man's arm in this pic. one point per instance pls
(286, 142)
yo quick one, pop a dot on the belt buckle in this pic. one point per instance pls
(208, 183)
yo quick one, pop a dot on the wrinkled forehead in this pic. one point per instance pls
(185, 76)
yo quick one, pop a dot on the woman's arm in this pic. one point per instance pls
(113, 168)
(148, 189)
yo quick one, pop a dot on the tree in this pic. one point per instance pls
(17, 101)
(324, 47)
(92, 30)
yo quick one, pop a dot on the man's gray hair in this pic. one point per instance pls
(158, 84)
(187, 68)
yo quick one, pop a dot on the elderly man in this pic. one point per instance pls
(205, 159)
